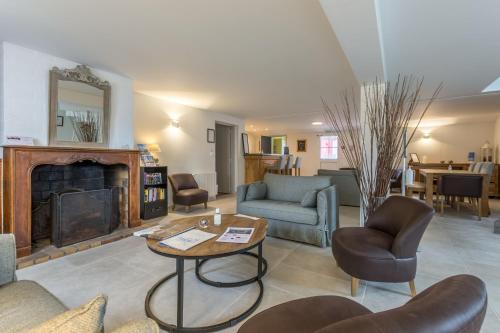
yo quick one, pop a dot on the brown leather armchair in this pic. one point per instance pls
(385, 250)
(186, 192)
(454, 305)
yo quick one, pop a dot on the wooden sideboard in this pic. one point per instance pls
(256, 166)
(494, 186)
(18, 164)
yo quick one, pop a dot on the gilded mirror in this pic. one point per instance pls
(79, 108)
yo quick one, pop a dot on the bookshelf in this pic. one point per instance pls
(154, 192)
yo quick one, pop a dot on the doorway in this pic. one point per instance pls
(225, 157)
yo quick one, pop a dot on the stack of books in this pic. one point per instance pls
(153, 178)
(154, 194)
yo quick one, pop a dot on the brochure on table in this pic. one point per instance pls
(187, 240)
(236, 235)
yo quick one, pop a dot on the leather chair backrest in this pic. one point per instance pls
(487, 168)
(283, 161)
(465, 186)
(477, 167)
(454, 305)
(298, 162)
(182, 181)
(289, 164)
(471, 166)
(405, 219)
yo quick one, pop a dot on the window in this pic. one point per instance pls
(278, 143)
(328, 147)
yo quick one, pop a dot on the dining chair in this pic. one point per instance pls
(463, 187)
(297, 165)
(289, 165)
(280, 167)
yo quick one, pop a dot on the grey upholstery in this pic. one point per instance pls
(347, 186)
(286, 216)
(24, 305)
(7, 259)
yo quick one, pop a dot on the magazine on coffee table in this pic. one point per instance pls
(236, 235)
(187, 240)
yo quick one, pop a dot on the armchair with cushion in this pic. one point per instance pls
(455, 305)
(26, 306)
(385, 250)
(186, 191)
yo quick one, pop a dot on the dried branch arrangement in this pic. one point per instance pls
(86, 126)
(376, 148)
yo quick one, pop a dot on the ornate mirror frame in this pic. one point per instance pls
(80, 73)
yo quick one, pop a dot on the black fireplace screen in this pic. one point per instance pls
(78, 215)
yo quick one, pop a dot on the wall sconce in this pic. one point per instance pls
(427, 135)
(174, 123)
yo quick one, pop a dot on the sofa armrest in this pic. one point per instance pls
(7, 258)
(328, 210)
(241, 192)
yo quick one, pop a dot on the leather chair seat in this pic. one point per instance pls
(304, 316)
(365, 253)
(191, 196)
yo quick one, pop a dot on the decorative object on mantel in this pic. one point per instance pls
(210, 135)
(154, 149)
(301, 146)
(377, 148)
(79, 108)
(244, 139)
(14, 140)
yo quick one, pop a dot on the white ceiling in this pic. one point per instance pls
(247, 58)
(270, 60)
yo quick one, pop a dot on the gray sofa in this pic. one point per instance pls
(347, 187)
(27, 306)
(282, 208)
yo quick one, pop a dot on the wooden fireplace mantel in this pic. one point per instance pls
(19, 162)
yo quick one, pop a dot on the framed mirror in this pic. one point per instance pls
(79, 108)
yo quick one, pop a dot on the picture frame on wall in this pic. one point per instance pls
(301, 146)
(244, 140)
(210, 135)
(60, 121)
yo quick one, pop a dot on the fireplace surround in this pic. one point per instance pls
(19, 163)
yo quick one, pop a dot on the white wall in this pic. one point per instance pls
(310, 159)
(25, 104)
(184, 149)
(452, 142)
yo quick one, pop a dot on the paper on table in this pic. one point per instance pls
(236, 235)
(187, 239)
(148, 231)
(248, 217)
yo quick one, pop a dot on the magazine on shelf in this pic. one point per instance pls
(236, 235)
(187, 240)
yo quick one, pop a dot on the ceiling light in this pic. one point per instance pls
(317, 123)
(493, 86)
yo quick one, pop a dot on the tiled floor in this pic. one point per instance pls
(126, 269)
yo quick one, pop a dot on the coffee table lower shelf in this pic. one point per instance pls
(261, 271)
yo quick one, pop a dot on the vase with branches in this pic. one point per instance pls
(86, 126)
(373, 142)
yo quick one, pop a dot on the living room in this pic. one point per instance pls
(190, 166)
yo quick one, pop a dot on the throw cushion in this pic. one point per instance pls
(256, 191)
(139, 326)
(86, 318)
(309, 199)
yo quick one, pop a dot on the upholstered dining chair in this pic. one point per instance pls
(279, 168)
(289, 165)
(385, 249)
(463, 187)
(185, 191)
(297, 165)
(455, 305)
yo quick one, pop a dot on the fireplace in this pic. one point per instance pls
(76, 202)
(109, 168)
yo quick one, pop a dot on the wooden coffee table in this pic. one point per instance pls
(201, 254)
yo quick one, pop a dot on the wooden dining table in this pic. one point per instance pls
(431, 174)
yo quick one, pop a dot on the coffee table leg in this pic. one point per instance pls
(180, 291)
(259, 263)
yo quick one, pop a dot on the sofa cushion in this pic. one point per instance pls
(139, 326)
(86, 318)
(280, 210)
(293, 188)
(309, 199)
(25, 304)
(256, 191)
